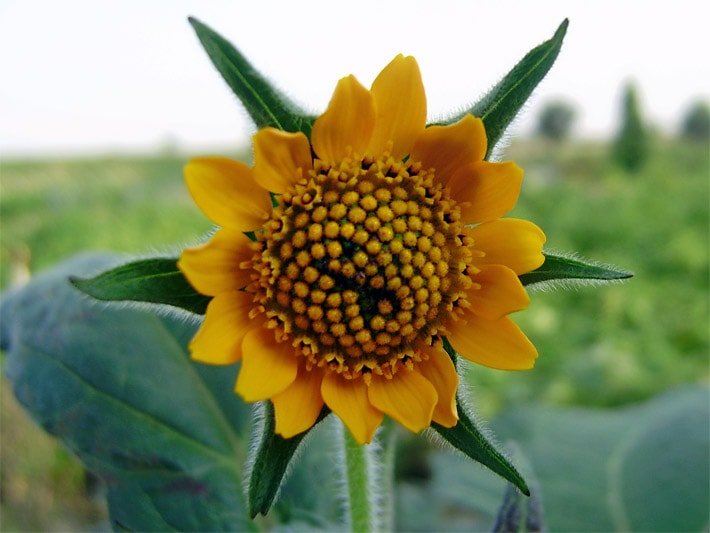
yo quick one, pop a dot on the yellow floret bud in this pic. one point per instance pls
(368, 203)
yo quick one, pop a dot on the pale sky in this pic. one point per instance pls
(98, 76)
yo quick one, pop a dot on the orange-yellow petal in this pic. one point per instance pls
(225, 191)
(486, 191)
(297, 408)
(348, 399)
(500, 292)
(280, 159)
(494, 343)
(408, 397)
(219, 339)
(347, 124)
(213, 267)
(448, 148)
(400, 102)
(512, 242)
(268, 366)
(440, 371)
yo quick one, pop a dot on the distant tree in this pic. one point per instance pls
(696, 122)
(631, 146)
(555, 120)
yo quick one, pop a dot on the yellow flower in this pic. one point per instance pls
(387, 236)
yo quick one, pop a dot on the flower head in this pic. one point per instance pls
(384, 236)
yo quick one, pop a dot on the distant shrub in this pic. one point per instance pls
(555, 120)
(631, 146)
(696, 122)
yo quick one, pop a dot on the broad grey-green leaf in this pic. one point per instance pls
(502, 103)
(157, 280)
(471, 441)
(644, 467)
(560, 269)
(266, 105)
(117, 387)
(271, 457)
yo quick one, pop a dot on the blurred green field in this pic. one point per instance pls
(604, 346)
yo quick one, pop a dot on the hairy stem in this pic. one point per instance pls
(359, 485)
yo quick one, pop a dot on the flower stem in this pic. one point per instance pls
(357, 473)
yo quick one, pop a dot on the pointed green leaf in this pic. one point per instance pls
(472, 442)
(499, 107)
(157, 280)
(266, 105)
(571, 269)
(270, 460)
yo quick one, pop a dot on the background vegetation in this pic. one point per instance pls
(604, 347)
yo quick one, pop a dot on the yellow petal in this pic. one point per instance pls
(347, 124)
(408, 397)
(512, 242)
(268, 366)
(297, 408)
(213, 268)
(440, 371)
(494, 343)
(225, 191)
(400, 102)
(486, 190)
(500, 292)
(448, 148)
(348, 399)
(219, 339)
(280, 159)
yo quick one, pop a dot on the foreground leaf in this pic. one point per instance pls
(644, 467)
(641, 468)
(156, 280)
(265, 104)
(471, 441)
(500, 106)
(272, 457)
(117, 387)
(571, 269)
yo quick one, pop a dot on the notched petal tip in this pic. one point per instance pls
(408, 397)
(297, 408)
(347, 125)
(213, 267)
(400, 101)
(348, 400)
(224, 189)
(278, 156)
(448, 148)
(499, 344)
(268, 367)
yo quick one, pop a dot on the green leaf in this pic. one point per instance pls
(566, 269)
(641, 468)
(266, 105)
(500, 106)
(468, 439)
(156, 280)
(272, 456)
(116, 386)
